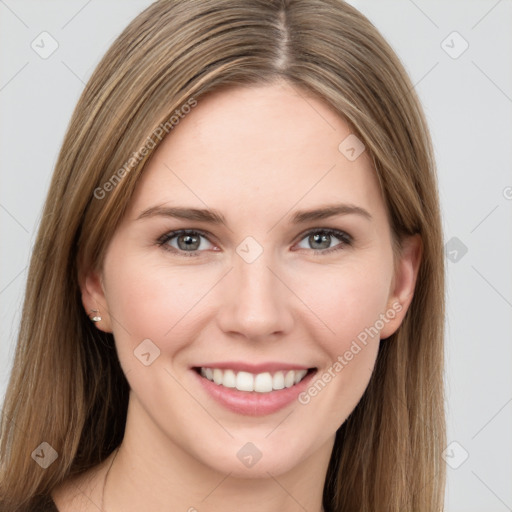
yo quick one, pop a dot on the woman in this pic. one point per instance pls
(185, 343)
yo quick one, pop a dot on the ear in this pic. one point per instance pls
(403, 284)
(93, 298)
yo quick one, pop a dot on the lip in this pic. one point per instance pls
(253, 368)
(252, 403)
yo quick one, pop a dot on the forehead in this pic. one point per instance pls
(243, 150)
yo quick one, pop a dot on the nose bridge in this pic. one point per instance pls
(255, 279)
(258, 305)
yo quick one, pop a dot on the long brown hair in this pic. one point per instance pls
(67, 387)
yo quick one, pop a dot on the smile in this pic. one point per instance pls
(253, 389)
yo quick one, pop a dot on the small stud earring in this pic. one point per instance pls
(95, 317)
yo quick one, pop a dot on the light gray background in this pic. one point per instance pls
(468, 103)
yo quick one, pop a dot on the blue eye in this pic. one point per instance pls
(189, 241)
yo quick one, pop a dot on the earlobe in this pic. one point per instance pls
(94, 300)
(403, 284)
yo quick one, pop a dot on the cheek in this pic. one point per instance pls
(350, 307)
(148, 301)
(345, 301)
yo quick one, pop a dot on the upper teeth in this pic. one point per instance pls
(261, 382)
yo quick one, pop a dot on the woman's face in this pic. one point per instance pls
(261, 300)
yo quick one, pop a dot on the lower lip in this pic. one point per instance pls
(252, 403)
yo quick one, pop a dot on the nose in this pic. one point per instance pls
(255, 302)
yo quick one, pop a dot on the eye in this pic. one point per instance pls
(188, 242)
(320, 239)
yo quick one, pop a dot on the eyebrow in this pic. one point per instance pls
(215, 217)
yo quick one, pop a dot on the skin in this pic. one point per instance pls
(256, 155)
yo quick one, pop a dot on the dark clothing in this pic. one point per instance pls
(46, 504)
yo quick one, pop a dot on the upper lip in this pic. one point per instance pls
(241, 366)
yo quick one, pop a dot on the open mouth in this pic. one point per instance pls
(265, 382)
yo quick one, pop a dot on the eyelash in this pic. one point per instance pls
(345, 238)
